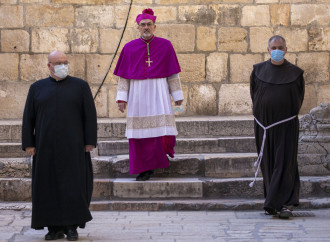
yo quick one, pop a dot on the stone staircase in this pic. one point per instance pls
(212, 169)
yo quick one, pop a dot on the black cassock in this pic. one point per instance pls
(59, 120)
(277, 94)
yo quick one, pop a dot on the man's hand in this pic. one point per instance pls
(122, 106)
(30, 150)
(178, 103)
(89, 148)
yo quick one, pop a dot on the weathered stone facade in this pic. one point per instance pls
(217, 43)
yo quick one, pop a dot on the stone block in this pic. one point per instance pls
(280, 14)
(84, 40)
(305, 14)
(295, 1)
(257, 15)
(206, 38)
(101, 100)
(197, 14)
(241, 66)
(310, 99)
(315, 65)
(12, 100)
(15, 41)
(235, 99)
(165, 14)
(160, 188)
(291, 57)
(95, 16)
(171, 2)
(121, 15)
(232, 39)
(203, 99)
(97, 66)
(113, 106)
(227, 15)
(8, 67)
(77, 65)
(192, 67)
(238, 1)
(48, 15)
(182, 36)
(34, 67)
(35, 1)
(216, 67)
(46, 40)
(11, 16)
(101, 189)
(259, 37)
(109, 39)
(15, 189)
(230, 166)
(319, 38)
(8, 1)
(95, 2)
(15, 167)
(323, 95)
(296, 39)
(267, 1)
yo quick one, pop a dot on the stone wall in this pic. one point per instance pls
(217, 42)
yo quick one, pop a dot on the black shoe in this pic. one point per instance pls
(72, 234)
(54, 235)
(144, 175)
(270, 211)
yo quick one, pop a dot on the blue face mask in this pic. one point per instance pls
(277, 55)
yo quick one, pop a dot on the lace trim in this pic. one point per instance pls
(123, 84)
(174, 85)
(150, 122)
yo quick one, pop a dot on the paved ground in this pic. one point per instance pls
(201, 226)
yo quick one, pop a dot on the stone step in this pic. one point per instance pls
(217, 165)
(187, 165)
(181, 204)
(188, 145)
(183, 146)
(222, 165)
(8, 150)
(204, 126)
(19, 189)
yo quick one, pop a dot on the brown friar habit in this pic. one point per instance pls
(277, 93)
(59, 120)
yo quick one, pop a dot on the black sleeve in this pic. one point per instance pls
(302, 90)
(28, 126)
(252, 84)
(90, 117)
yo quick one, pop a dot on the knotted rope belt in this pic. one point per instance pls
(258, 161)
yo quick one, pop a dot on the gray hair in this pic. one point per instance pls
(275, 38)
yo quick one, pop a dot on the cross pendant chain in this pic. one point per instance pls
(148, 61)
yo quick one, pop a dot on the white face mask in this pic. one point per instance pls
(61, 71)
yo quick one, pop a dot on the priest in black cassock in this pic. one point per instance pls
(277, 92)
(59, 130)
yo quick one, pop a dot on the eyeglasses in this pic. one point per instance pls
(59, 63)
(146, 24)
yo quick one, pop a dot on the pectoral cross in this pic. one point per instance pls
(149, 61)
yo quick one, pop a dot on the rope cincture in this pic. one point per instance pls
(258, 161)
(122, 35)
